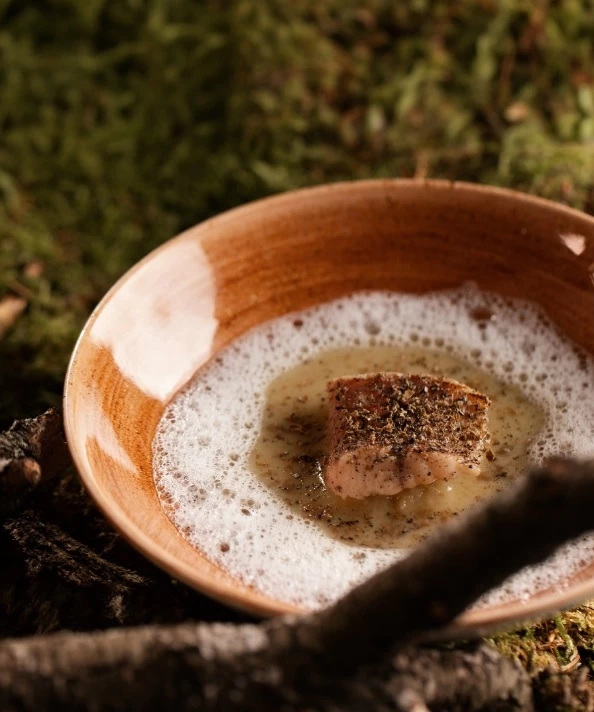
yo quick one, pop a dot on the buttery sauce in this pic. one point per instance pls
(238, 454)
(288, 456)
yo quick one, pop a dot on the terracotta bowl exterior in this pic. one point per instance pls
(188, 299)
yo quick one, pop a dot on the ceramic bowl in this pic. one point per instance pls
(188, 299)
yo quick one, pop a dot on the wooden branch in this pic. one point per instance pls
(570, 691)
(336, 659)
(224, 668)
(295, 663)
(462, 561)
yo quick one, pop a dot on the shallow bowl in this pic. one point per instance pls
(188, 299)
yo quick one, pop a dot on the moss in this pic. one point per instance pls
(123, 122)
(559, 644)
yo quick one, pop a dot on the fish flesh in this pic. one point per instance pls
(391, 431)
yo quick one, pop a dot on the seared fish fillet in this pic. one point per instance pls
(392, 431)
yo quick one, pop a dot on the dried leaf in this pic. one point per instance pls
(11, 308)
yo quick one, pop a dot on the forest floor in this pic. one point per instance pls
(122, 123)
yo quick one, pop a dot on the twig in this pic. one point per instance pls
(450, 571)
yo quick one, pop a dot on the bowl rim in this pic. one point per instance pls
(471, 622)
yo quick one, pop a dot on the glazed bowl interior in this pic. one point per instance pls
(190, 298)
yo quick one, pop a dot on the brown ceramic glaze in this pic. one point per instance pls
(188, 299)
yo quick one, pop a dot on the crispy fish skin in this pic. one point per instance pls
(392, 431)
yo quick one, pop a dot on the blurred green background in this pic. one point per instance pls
(123, 122)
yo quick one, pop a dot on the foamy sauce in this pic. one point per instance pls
(203, 442)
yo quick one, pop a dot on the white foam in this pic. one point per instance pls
(203, 442)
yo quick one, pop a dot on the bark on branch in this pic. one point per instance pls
(354, 655)
(30, 449)
(442, 577)
(298, 662)
(50, 581)
(224, 667)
